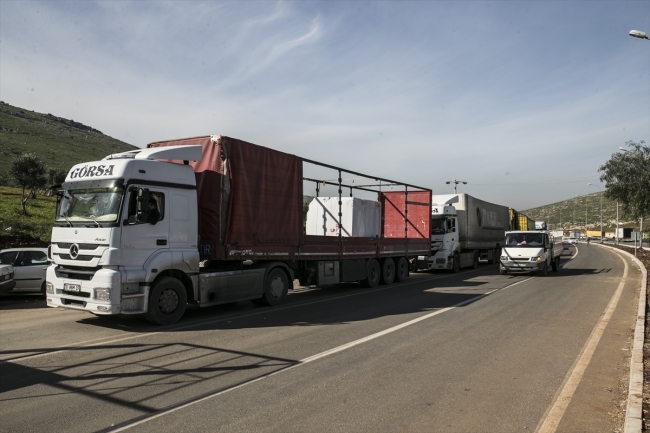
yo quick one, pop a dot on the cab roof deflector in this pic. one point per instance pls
(181, 153)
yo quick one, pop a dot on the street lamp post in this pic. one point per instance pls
(638, 34)
(601, 210)
(456, 182)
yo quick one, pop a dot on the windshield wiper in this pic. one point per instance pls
(67, 220)
(94, 219)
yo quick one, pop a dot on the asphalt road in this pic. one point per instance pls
(467, 352)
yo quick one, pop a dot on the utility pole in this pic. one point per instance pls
(456, 182)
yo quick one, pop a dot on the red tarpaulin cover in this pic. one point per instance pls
(258, 204)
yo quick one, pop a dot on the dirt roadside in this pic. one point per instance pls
(644, 257)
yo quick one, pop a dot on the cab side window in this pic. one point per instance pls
(157, 197)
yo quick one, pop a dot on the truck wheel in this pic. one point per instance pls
(456, 264)
(415, 265)
(493, 260)
(276, 287)
(373, 273)
(475, 261)
(402, 269)
(544, 271)
(167, 302)
(387, 271)
(503, 272)
(555, 263)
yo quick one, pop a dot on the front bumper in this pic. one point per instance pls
(514, 267)
(84, 298)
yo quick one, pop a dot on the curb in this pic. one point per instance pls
(633, 412)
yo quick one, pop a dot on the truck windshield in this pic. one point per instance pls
(524, 240)
(437, 225)
(92, 204)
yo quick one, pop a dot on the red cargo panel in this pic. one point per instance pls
(395, 206)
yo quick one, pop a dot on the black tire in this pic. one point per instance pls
(544, 271)
(167, 302)
(415, 265)
(276, 287)
(373, 273)
(503, 272)
(43, 290)
(475, 261)
(402, 269)
(455, 266)
(493, 260)
(555, 264)
(387, 271)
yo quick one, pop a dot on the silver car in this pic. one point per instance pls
(6, 278)
(30, 265)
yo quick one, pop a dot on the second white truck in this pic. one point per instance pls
(464, 230)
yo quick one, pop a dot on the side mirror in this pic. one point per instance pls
(142, 205)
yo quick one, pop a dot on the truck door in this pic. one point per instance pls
(141, 239)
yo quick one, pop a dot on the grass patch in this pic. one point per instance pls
(37, 224)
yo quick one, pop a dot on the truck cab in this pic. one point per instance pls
(530, 251)
(444, 237)
(106, 250)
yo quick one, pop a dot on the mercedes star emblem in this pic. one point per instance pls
(74, 251)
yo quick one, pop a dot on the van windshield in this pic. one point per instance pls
(90, 204)
(524, 240)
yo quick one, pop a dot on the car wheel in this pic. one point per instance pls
(556, 264)
(475, 261)
(43, 289)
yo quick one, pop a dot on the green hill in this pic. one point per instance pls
(59, 143)
(570, 214)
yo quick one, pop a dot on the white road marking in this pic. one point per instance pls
(554, 414)
(313, 358)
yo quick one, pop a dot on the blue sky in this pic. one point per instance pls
(524, 100)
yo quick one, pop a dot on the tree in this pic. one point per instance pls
(55, 176)
(627, 175)
(29, 173)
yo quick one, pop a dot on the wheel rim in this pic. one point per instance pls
(168, 301)
(277, 287)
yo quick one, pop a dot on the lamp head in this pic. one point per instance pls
(638, 34)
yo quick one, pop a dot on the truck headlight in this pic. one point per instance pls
(504, 258)
(102, 293)
(49, 287)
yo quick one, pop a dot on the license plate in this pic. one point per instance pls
(71, 287)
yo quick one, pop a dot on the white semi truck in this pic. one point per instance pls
(210, 220)
(464, 230)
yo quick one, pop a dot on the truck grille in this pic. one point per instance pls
(67, 245)
(79, 258)
(77, 272)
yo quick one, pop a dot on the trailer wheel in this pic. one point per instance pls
(167, 302)
(402, 269)
(373, 273)
(556, 263)
(276, 287)
(456, 264)
(387, 271)
(475, 261)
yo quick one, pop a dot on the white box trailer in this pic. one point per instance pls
(360, 218)
(464, 229)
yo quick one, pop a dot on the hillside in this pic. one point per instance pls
(570, 214)
(59, 143)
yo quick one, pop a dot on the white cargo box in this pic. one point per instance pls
(361, 218)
